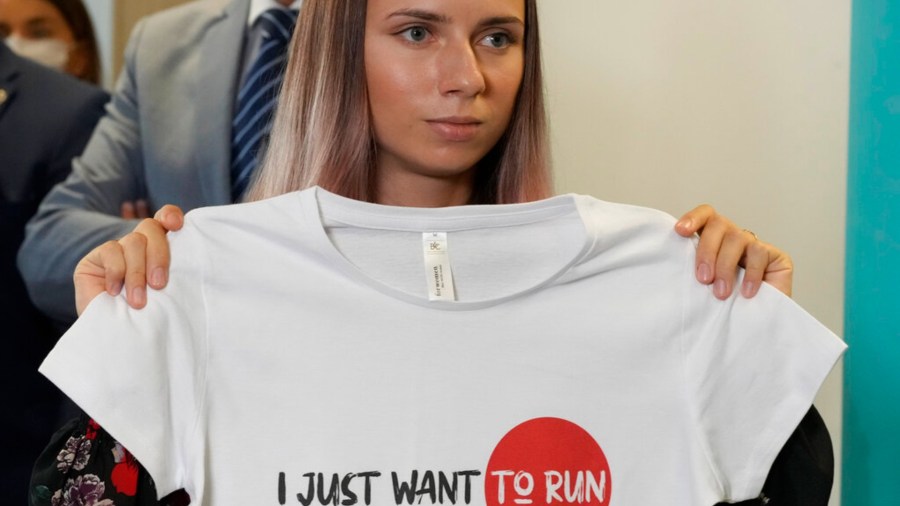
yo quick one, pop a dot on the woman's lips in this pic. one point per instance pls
(455, 129)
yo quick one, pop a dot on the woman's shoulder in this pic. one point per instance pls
(616, 217)
(245, 213)
(229, 226)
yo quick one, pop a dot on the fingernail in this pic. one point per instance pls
(720, 288)
(115, 288)
(705, 273)
(158, 277)
(683, 224)
(139, 296)
(747, 288)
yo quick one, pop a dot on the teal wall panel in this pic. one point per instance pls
(871, 439)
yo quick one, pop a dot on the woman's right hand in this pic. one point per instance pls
(134, 261)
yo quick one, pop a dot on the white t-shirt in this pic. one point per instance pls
(295, 358)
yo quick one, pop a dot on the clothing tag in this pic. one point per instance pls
(437, 266)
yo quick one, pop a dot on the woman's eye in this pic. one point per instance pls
(415, 34)
(498, 40)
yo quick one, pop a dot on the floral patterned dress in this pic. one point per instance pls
(84, 466)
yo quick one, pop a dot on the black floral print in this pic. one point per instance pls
(75, 455)
(84, 490)
(84, 466)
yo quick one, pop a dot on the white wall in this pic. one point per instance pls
(742, 105)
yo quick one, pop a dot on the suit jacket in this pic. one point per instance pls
(46, 118)
(166, 139)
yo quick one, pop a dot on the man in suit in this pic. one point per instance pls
(46, 118)
(166, 140)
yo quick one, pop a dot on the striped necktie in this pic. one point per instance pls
(257, 97)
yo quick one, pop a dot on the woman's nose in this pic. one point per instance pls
(460, 71)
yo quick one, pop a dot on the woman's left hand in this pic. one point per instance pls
(724, 246)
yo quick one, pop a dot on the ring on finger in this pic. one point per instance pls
(755, 237)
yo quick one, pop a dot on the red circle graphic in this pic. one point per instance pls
(547, 461)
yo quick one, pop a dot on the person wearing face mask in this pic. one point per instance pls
(46, 118)
(55, 33)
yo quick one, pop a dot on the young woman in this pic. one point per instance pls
(325, 147)
(422, 323)
(56, 33)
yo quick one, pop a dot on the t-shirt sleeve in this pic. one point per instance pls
(753, 367)
(140, 373)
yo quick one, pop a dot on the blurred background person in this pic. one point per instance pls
(178, 132)
(55, 33)
(167, 138)
(46, 118)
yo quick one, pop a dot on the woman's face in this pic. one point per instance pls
(36, 29)
(442, 78)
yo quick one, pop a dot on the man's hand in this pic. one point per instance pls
(136, 210)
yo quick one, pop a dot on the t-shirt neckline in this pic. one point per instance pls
(323, 208)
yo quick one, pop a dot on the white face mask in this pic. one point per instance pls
(53, 53)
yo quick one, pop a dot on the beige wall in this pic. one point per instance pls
(739, 104)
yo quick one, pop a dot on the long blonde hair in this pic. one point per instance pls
(322, 133)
